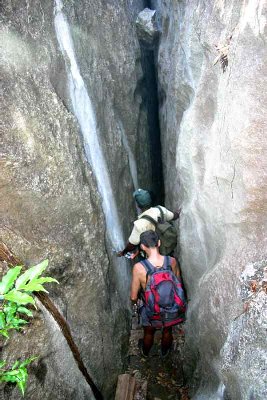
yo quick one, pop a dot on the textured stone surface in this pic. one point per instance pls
(55, 373)
(50, 206)
(213, 126)
(147, 26)
(248, 333)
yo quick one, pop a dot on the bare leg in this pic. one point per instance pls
(166, 340)
(148, 340)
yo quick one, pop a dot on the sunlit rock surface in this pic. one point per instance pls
(50, 205)
(213, 126)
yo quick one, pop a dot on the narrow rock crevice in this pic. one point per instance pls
(150, 99)
(148, 89)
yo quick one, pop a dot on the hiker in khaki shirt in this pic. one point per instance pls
(143, 200)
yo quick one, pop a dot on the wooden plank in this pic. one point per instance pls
(125, 387)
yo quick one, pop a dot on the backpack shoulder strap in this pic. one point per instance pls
(150, 219)
(161, 213)
(148, 267)
(167, 263)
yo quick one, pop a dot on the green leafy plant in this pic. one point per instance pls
(10, 319)
(17, 373)
(16, 294)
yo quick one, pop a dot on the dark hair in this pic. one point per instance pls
(149, 239)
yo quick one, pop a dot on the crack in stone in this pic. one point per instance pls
(232, 181)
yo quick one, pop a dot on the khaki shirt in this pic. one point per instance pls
(142, 225)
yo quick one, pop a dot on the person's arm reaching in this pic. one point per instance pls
(176, 214)
(134, 238)
(129, 247)
(171, 215)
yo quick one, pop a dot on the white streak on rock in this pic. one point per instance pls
(83, 110)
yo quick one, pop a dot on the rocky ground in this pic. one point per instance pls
(162, 379)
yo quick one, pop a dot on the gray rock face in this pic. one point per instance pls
(50, 205)
(55, 374)
(247, 334)
(147, 26)
(214, 154)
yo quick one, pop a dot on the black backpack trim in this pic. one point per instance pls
(162, 226)
(161, 214)
(150, 219)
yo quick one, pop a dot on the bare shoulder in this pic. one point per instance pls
(173, 262)
(137, 268)
(175, 266)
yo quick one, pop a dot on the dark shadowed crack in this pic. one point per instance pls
(232, 180)
(148, 89)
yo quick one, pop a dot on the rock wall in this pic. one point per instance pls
(213, 119)
(49, 203)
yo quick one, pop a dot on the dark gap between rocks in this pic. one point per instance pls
(156, 378)
(150, 99)
(149, 93)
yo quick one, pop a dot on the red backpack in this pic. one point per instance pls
(164, 297)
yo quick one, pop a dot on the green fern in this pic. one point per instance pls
(16, 294)
(17, 374)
